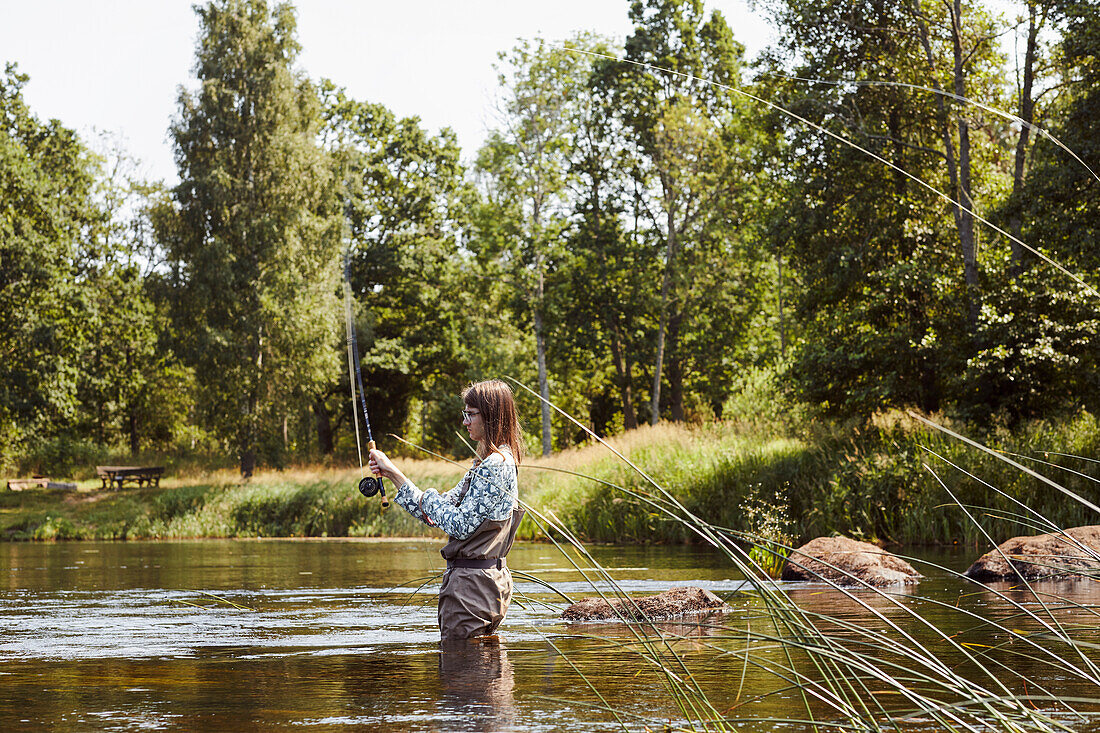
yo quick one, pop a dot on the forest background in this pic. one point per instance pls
(787, 255)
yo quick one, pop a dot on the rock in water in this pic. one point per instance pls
(1043, 556)
(672, 603)
(845, 561)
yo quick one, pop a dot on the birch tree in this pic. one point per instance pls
(677, 119)
(524, 175)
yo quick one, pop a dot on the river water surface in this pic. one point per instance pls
(334, 635)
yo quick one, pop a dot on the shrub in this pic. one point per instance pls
(58, 528)
(61, 456)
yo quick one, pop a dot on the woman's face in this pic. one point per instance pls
(475, 425)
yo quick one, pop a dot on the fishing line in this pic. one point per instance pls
(368, 485)
(944, 93)
(839, 138)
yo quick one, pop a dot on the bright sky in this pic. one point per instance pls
(116, 65)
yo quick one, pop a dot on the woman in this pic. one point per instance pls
(480, 514)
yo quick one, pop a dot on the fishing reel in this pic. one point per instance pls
(370, 486)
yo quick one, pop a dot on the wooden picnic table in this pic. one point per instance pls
(116, 476)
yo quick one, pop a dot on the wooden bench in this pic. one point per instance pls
(116, 476)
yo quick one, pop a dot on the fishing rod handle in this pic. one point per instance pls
(378, 479)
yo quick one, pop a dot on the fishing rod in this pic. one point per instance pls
(368, 485)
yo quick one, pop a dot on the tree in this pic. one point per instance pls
(971, 33)
(256, 249)
(126, 358)
(889, 286)
(525, 175)
(690, 168)
(403, 195)
(47, 179)
(1031, 70)
(1049, 358)
(1061, 202)
(608, 269)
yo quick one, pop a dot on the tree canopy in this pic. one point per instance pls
(637, 239)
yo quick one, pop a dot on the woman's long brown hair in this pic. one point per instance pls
(493, 399)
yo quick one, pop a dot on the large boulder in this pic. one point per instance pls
(673, 603)
(844, 561)
(1041, 556)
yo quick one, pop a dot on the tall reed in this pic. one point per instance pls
(856, 677)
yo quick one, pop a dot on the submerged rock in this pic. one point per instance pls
(845, 561)
(672, 603)
(1041, 556)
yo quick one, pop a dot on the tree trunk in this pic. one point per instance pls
(623, 377)
(544, 382)
(247, 432)
(666, 286)
(675, 369)
(960, 187)
(325, 441)
(540, 335)
(131, 416)
(782, 325)
(655, 392)
(967, 237)
(100, 409)
(246, 436)
(247, 450)
(1027, 114)
(134, 437)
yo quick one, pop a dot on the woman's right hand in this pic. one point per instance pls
(381, 465)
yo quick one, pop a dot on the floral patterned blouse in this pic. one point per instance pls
(493, 493)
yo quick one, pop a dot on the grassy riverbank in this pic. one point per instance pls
(867, 482)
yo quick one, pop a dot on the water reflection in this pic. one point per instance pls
(1034, 606)
(476, 683)
(1083, 590)
(856, 603)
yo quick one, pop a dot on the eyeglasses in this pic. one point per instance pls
(469, 414)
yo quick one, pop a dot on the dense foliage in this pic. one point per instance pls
(255, 236)
(639, 238)
(759, 480)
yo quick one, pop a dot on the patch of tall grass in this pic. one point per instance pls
(272, 504)
(1009, 668)
(861, 481)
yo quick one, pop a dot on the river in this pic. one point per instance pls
(338, 635)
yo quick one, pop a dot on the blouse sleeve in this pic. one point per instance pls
(492, 488)
(408, 498)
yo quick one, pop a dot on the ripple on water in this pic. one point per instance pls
(150, 623)
(137, 624)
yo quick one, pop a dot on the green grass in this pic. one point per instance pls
(865, 482)
(272, 505)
